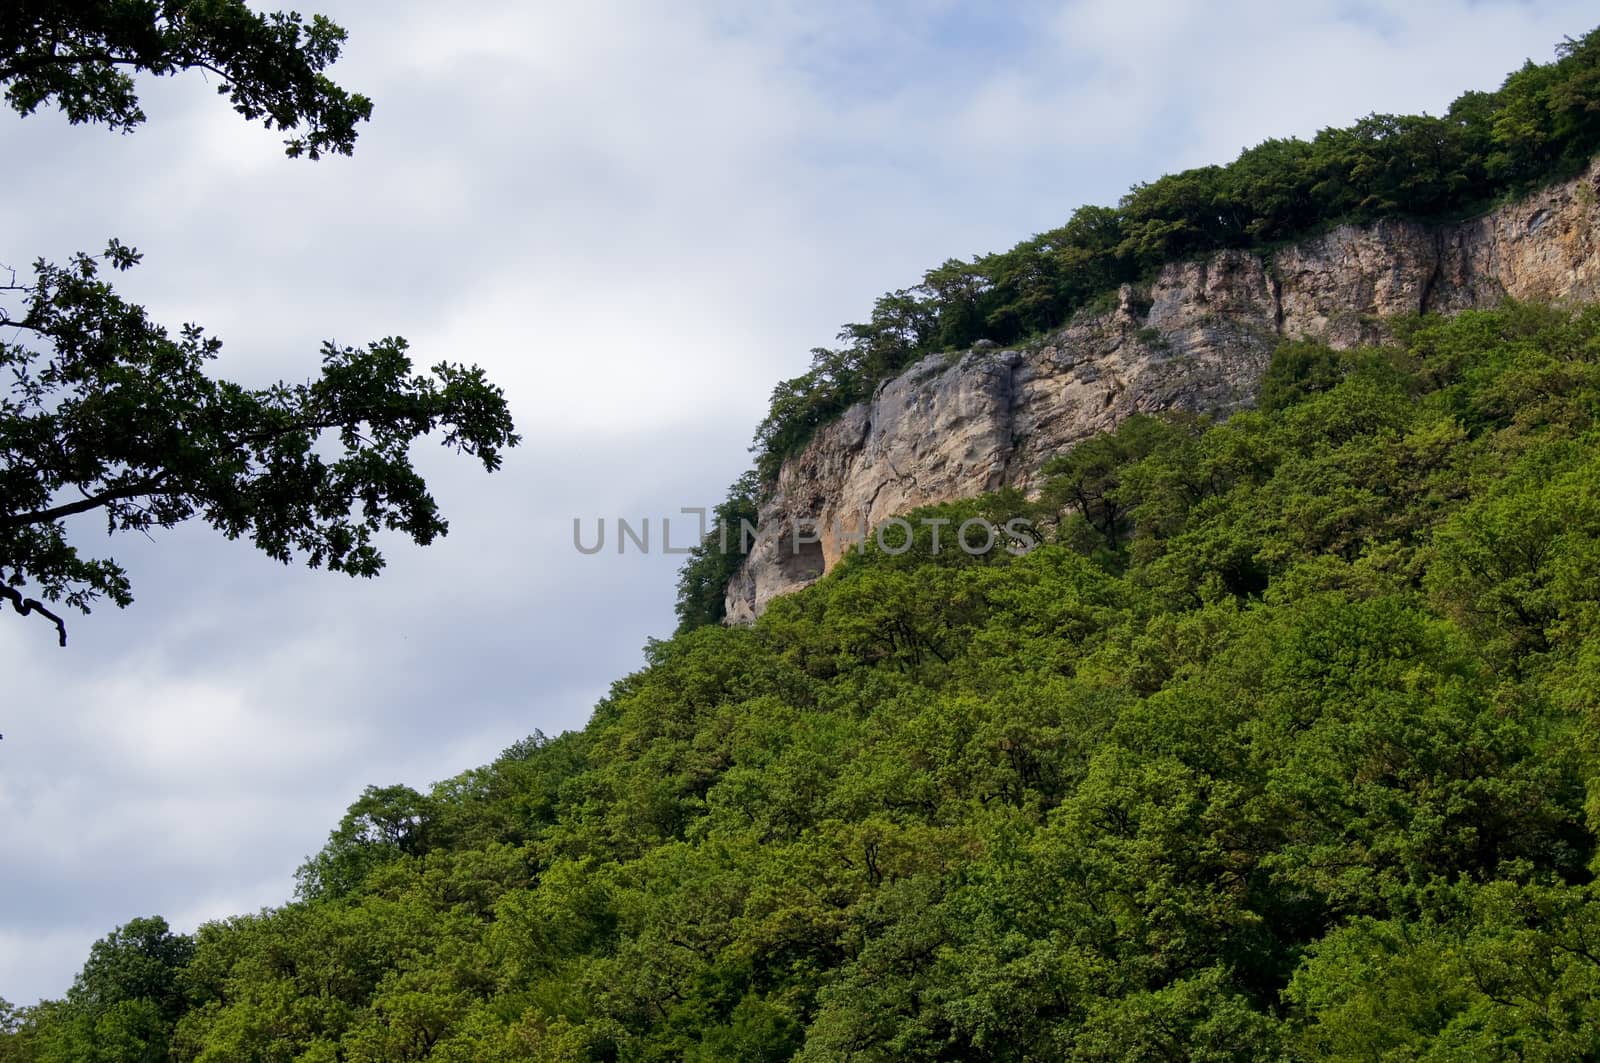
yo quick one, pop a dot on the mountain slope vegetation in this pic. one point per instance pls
(1280, 744)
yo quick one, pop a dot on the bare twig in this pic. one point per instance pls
(24, 606)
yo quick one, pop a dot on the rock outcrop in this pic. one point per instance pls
(1198, 338)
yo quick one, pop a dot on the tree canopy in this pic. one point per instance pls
(83, 56)
(105, 412)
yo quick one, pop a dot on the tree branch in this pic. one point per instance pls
(83, 505)
(29, 64)
(24, 606)
(6, 321)
(151, 484)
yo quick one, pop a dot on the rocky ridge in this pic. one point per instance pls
(1197, 338)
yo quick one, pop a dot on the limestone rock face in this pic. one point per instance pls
(1199, 339)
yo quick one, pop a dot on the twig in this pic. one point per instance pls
(24, 606)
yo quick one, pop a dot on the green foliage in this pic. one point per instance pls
(1087, 480)
(703, 580)
(105, 406)
(1292, 756)
(387, 822)
(105, 412)
(1298, 370)
(1542, 125)
(83, 57)
(122, 1007)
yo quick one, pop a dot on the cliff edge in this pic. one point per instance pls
(1197, 338)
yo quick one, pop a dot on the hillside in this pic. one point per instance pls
(1196, 338)
(1266, 733)
(1283, 747)
(1318, 239)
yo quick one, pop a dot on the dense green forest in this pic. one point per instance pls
(1541, 125)
(1282, 745)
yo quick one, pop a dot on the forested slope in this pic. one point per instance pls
(1280, 745)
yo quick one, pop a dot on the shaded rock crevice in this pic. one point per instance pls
(1433, 277)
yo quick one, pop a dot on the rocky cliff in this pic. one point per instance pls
(1198, 338)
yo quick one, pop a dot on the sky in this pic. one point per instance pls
(637, 217)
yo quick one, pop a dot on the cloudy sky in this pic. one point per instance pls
(637, 217)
